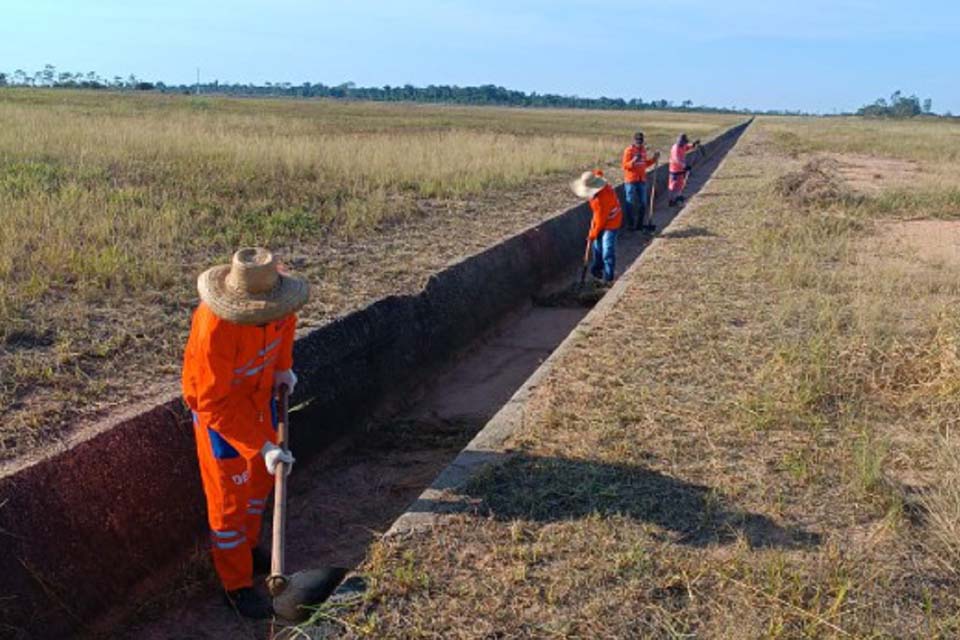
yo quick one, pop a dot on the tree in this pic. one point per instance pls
(48, 74)
(898, 107)
(928, 106)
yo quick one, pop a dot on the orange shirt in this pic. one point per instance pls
(606, 212)
(635, 163)
(228, 375)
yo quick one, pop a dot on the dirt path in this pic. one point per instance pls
(342, 500)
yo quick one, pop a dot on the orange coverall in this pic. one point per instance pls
(678, 167)
(635, 163)
(228, 384)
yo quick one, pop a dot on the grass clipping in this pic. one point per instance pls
(816, 184)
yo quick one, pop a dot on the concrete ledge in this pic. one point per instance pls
(110, 517)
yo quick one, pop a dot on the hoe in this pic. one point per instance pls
(586, 263)
(293, 595)
(647, 225)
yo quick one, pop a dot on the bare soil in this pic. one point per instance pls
(872, 174)
(926, 244)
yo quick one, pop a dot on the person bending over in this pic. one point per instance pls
(604, 225)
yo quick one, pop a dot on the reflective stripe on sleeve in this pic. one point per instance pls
(229, 544)
(246, 364)
(258, 369)
(270, 347)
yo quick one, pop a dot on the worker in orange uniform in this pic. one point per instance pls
(606, 222)
(239, 353)
(679, 169)
(635, 163)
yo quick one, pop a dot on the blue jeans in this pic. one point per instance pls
(605, 255)
(636, 195)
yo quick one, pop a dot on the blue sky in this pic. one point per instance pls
(814, 55)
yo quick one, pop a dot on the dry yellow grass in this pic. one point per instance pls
(110, 205)
(758, 443)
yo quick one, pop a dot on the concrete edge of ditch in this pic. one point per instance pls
(441, 499)
(110, 517)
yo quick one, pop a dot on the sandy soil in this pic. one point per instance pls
(870, 175)
(934, 244)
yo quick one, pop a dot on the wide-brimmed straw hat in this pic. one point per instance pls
(588, 184)
(251, 290)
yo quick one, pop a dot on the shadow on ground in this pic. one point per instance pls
(557, 489)
(689, 232)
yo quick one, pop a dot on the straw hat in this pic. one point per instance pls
(250, 290)
(588, 184)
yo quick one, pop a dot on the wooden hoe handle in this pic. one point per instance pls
(653, 189)
(277, 580)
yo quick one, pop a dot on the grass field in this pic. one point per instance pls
(759, 442)
(110, 204)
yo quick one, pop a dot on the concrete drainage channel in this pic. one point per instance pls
(92, 549)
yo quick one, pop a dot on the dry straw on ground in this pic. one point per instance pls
(758, 442)
(111, 204)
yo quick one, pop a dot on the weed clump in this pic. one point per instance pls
(816, 184)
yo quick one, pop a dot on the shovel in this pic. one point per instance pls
(293, 595)
(651, 227)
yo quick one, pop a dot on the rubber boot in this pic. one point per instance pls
(250, 603)
(261, 561)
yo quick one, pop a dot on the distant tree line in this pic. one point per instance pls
(49, 77)
(489, 94)
(899, 106)
(448, 94)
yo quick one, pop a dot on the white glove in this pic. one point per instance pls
(287, 377)
(274, 455)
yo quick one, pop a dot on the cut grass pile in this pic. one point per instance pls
(932, 146)
(111, 204)
(819, 182)
(758, 442)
